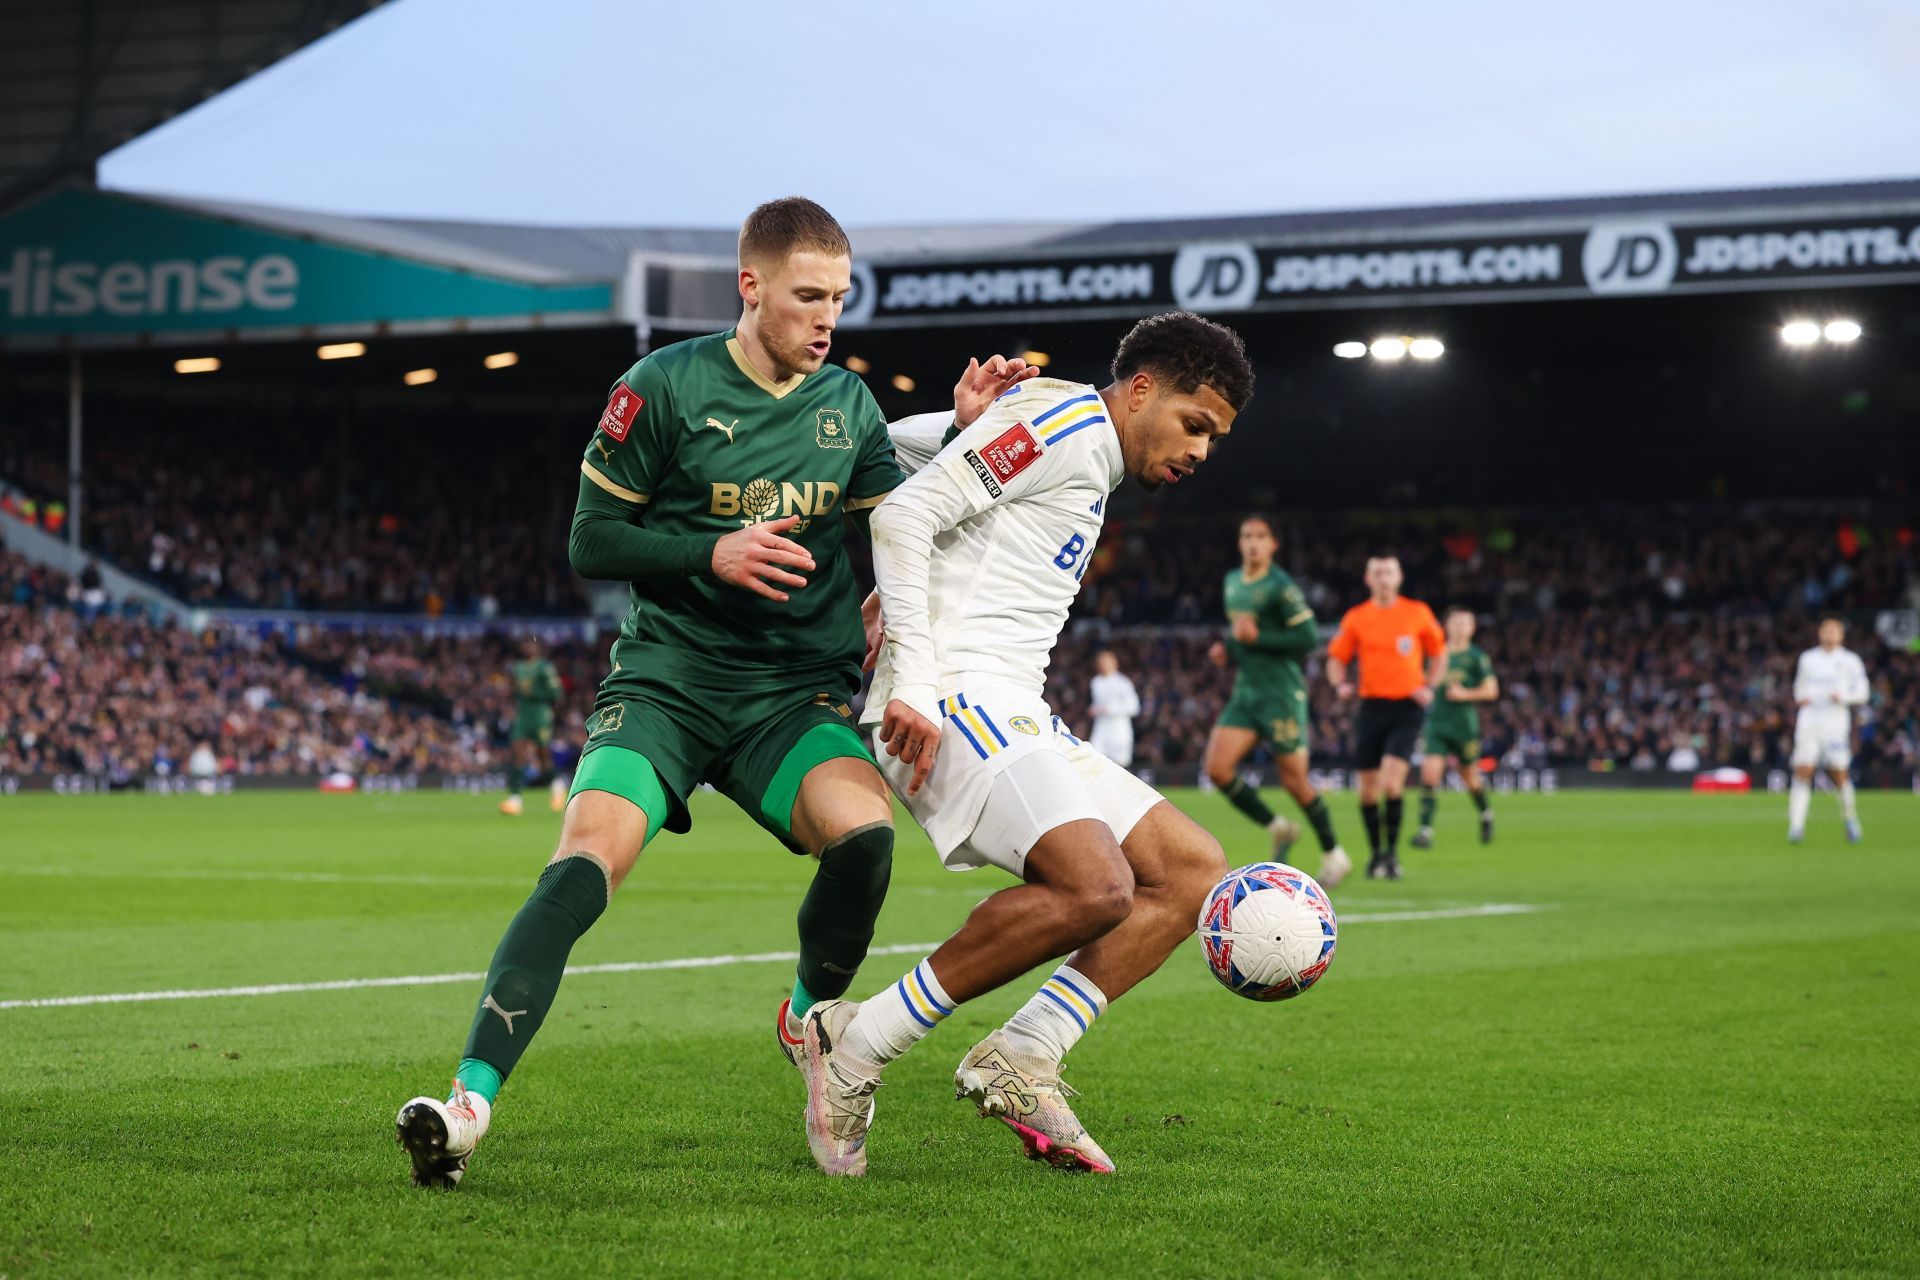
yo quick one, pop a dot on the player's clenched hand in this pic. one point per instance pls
(1217, 655)
(912, 738)
(1424, 695)
(1245, 629)
(982, 384)
(757, 556)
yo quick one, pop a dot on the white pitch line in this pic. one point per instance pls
(637, 966)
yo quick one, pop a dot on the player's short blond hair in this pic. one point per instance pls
(793, 224)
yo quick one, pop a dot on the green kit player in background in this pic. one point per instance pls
(719, 483)
(1272, 633)
(1453, 727)
(536, 687)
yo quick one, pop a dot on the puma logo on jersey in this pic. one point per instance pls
(606, 454)
(718, 425)
(505, 1016)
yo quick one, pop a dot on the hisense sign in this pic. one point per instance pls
(37, 281)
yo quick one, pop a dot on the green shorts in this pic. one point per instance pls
(534, 729)
(753, 746)
(1443, 741)
(1281, 719)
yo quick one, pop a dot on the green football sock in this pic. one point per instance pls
(516, 778)
(802, 1001)
(478, 1077)
(1247, 800)
(837, 915)
(1429, 800)
(525, 974)
(1321, 818)
(1479, 799)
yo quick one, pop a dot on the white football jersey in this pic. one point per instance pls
(1830, 682)
(978, 556)
(916, 439)
(1115, 701)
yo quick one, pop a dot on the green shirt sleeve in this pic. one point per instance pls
(1288, 628)
(876, 472)
(605, 543)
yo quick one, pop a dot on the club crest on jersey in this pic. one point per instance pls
(1023, 724)
(608, 719)
(830, 429)
(1404, 644)
(623, 406)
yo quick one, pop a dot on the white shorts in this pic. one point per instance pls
(1008, 772)
(1115, 742)
(1822, 740)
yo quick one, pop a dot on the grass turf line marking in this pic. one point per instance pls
(642, 966)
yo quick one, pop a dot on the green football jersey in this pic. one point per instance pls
(704, 444)
(1271, 665)
(1468, 668)
(536, 687)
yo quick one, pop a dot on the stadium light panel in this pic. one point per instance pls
(859, 364)
(1799, 333)
(1842, 330)
(419, 377)
(1426, 348)
(342, 350)
(197, 364)
(1349, 350)
(1038, 359)
(1388, 348)
(901, 382)
(502, 360)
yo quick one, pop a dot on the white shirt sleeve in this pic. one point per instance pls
(1130, 699)
(996, 460)
(916, 439)
(1857, 688)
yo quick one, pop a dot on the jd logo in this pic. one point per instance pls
(727, 427)
(608, 719)
(1629, 257)
(831, 430)
(1215, 277)
(762, 499)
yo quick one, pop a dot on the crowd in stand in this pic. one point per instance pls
(120, 694)
(1632, 638)
(1624, 640)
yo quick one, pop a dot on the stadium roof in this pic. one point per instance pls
(80, 77)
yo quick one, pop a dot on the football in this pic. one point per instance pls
(1268, 931)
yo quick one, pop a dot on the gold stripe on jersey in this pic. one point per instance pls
(587, 469)
(861, 504)
(778, 390)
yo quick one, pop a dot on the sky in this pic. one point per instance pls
(597, 112)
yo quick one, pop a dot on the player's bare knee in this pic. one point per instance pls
(1103, 904)
(1220, 775)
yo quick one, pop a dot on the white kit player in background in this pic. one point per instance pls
(978, 557)
(1115, 703)
(1828, 683)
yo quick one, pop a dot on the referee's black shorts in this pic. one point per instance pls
(1386, 727)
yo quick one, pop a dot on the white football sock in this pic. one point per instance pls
(893, 1022)
(1847, 809)
(1058, 1015)
(1799, 797)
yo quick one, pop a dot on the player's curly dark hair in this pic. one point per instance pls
(1190, 352)
(790, 225)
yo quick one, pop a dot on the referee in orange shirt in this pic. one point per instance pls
(1390, 635)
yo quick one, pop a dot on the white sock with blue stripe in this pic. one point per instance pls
(893, 1021)
(1058, 1015)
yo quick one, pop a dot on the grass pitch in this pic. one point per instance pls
(1698, 1056)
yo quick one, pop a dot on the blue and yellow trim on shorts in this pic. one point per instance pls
(975, 725)
(1069, 416)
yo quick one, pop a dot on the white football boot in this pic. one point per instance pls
(441, 1135)
(1284, 832)
(1028, 1097)
(1335, 866)
(839, 1096)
